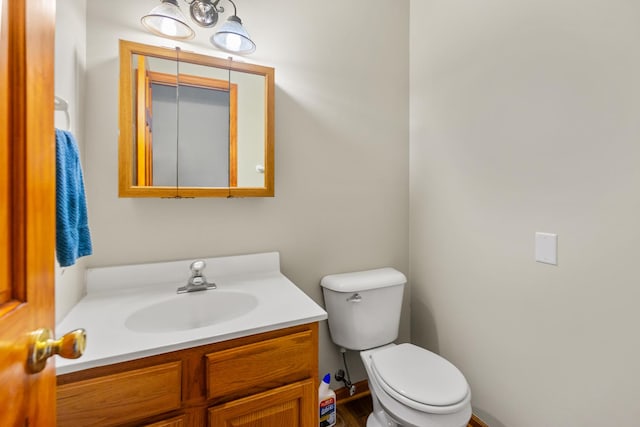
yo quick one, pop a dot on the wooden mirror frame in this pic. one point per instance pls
(126, 146)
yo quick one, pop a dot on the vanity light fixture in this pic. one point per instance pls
(167, 20)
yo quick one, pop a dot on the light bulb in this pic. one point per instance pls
(233, 42)
(169, 27)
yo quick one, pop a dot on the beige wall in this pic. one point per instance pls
(342, 176)
(525, 117)
(70, 67)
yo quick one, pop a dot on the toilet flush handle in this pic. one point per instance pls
(355, 298)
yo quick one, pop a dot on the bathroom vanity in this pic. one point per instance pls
(256, 365)
(268, 376)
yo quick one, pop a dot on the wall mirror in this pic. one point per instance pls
(192, 125)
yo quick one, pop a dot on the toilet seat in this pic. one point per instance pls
(420, 379)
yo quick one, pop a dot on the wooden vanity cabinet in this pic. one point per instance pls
(268, 379)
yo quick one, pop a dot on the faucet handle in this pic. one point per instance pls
(197, 267)
(197, 281)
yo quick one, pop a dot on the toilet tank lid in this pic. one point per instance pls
(359, 281)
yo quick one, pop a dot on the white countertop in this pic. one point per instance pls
(114, 293)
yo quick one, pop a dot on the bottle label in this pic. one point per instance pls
(328, 412)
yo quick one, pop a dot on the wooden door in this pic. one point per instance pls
(27, 192)
(291, 405)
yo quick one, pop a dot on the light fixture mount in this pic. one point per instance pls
(205, 12)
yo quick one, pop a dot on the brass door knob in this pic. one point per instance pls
(42, 346)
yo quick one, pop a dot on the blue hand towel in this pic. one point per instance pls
(73, 239)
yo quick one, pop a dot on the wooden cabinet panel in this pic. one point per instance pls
(173, 422)
(260, 366)
(119, 398)
(291, 405)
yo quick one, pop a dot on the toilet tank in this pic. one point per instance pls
(364, 307)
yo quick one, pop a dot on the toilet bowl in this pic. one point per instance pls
(410, 386)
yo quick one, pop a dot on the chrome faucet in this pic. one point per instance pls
(197, 281)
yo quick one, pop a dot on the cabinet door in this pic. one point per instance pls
(291, 405)
(173, 422)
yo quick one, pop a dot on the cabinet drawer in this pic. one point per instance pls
(119, 398)
(260, 366)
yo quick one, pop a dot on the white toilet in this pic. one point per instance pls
(410, 386)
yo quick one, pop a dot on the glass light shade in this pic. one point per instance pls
(167, 20)
(232, 37)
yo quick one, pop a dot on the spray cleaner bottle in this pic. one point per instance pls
(327, 400)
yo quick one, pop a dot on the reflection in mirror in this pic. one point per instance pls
(194, 104)
(193, 125)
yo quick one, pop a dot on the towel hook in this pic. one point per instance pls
(60, 104)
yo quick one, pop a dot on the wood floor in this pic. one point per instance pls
(354, 413)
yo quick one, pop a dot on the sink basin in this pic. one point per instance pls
(191, 311)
